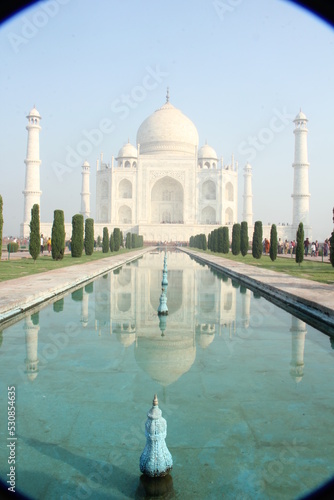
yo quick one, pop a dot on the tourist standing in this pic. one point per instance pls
(306, 246)
(42, 243)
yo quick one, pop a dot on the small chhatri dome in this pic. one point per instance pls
(34, 112)
(127, 151)
(85, 164)
(167, 131)
(207, 152)
(301, 116)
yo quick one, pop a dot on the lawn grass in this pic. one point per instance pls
(322, 272)
(17, 268)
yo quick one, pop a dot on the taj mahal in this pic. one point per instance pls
(167, 187)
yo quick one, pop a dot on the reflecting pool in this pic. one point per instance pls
(246, 389)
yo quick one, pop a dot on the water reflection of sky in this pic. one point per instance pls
(244, 386)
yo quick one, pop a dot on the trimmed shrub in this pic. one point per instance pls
(117, 238)
(244, 243)
(220, 239)
(111, 243)
(58, 235)
(257, 240)
(128, 241)
(273, 243)
(98, 242)
(1, 223)
(35, 236)
(89, 236)
(300, 244)
(105, 240)
(226, 240)
(236, 231)
(77, 235)
(12, 247)
(331, 251)
(133, 240)
(122, 239)
(215, 240)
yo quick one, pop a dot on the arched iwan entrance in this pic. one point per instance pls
(167, 201)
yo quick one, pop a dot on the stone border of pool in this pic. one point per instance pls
(308, 298)
(22, 294)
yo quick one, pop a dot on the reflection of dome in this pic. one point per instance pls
(205, 339)
(167, 130)
(127, 151)
(207, 152)
(166, 358)
(126, 339)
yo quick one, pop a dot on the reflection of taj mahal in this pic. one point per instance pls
(201, 308)
(166, 180)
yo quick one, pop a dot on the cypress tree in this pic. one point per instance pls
(98, 241)
(300, 244)
(133, 240)
(35, 236)
(257, 240)
(226, 240)
(58, 235)
(1, 224)
(209, 241)
(122, 240)
(273, 243)
(331, 250)
(220, 239)
(111, 243)
(117, 238)
(128, 241)
(215, 240)
(204, 244)
(77, 235)
(89, 236)
(236, 231)
(244, 243)
(105, 240)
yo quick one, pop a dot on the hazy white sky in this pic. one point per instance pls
(239, 69)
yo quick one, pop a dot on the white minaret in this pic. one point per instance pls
(247, 214)
(85, 194)
(301, 195)
(32, 192)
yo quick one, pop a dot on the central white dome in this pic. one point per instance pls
(167, 131)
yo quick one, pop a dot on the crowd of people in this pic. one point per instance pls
(289, 247)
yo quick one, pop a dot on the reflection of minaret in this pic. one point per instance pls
(84, 309)
(298, 332)
(301, 195)
(32, 328)
(245, 306)
(85, 194)
(247, 214)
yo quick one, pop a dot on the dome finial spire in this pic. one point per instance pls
(167, 95)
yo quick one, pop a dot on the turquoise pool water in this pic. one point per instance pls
(246, 389)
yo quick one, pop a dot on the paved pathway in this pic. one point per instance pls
(307, 297)
(19, 295)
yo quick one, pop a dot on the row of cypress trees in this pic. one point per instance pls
(78, 242)
(112, 243)
(218, 241)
